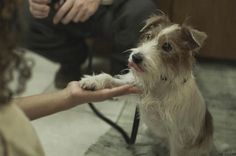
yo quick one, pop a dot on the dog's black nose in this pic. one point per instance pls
(137, 58)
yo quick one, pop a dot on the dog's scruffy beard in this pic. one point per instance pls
(171, 104)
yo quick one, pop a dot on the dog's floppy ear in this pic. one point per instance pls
(194, 39)
(154, 21)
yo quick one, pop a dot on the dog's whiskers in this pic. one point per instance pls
(127, 51)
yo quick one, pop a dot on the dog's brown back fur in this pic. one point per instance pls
(206, 134)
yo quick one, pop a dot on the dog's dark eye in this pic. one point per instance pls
(167, 47)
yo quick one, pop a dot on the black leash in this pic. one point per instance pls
(129, 140)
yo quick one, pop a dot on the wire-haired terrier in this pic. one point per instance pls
(171, 106)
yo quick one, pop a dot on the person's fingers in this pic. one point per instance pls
(38, 14)
(86, 16)
(104, 94)
(125, 89)
(62, 11)
(134, 90)
(70, 16)
(40, 1)
(117, 91)
(44, 9)
(80, 14)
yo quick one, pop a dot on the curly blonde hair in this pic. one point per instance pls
(13, 65)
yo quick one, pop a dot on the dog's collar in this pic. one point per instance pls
(164, 78)
(185, 80)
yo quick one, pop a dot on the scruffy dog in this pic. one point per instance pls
(171, 105)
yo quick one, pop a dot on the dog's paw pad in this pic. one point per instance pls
(87, 84)
(89, 87)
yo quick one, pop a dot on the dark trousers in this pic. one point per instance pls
(119, 23)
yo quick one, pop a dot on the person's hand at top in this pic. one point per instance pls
(76, 11)
(39, 8)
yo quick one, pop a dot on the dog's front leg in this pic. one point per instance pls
(100, 81)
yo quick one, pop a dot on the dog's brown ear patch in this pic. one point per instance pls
(154, 21)
(194, 39)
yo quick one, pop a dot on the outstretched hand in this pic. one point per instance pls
(49, 103)
(84, 96)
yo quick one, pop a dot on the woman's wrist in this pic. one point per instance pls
(70, 97)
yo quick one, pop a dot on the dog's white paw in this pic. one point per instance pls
(97, 82)
(89, 83)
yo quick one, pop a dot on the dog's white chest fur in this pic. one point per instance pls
(167, 111)
(152, 118)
